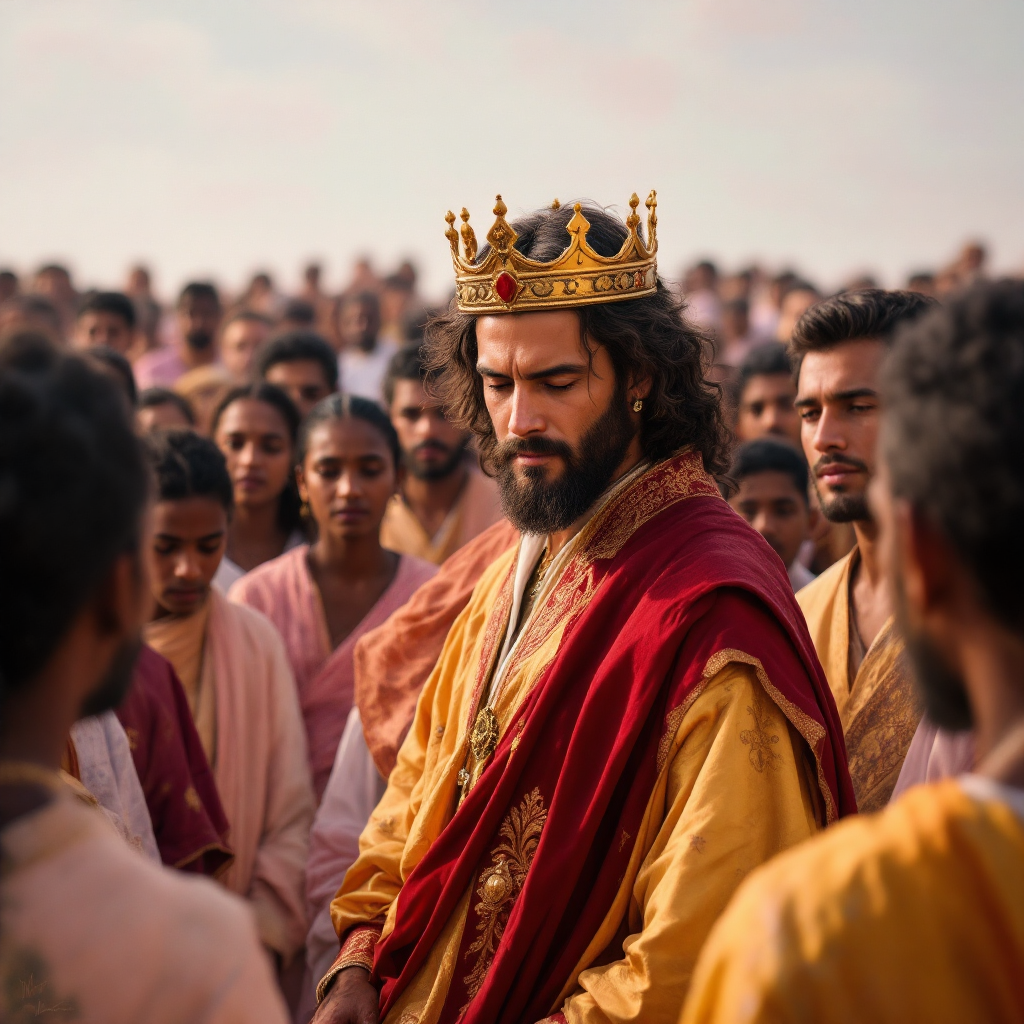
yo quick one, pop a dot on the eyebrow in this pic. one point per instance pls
(838, 396)
(177, 538)
(551, 371)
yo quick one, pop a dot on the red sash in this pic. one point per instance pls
(667, 586)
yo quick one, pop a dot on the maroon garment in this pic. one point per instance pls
(188, 820)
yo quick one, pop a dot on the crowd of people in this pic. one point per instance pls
(476, 658)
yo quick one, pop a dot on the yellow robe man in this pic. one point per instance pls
(876, 701)
(915, 914)
(737, 783)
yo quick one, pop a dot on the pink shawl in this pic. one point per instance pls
(286, 593)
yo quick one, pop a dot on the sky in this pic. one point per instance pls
(218, 139)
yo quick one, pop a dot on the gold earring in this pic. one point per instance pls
(304, 510)
(638, 404)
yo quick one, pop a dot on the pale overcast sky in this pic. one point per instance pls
(222, 137)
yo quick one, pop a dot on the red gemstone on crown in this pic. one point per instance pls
(505, 285)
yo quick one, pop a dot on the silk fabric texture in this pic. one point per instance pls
(879, 708)
(586, 746)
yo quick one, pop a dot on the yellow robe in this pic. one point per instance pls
(914, 914)
(477, 508)
(878, 709)
(738, 786)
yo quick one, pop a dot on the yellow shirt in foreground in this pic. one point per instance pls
(878, 708)
(914, 914)
(738, 786)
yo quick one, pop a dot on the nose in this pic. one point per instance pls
(247, 456)
(525, 418)
(827, 434)
(186, 566)
(349, 485)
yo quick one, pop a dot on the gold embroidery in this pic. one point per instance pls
(760, 740)
(698, 843)
(133, 737)
(386, 826)
(625, 839)
(30, 992)
(813, 732)
(502, 882)
(192, 801)
(356, 951)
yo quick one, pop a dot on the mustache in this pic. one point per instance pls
(508, 450)
(432, 446)
(838, 460)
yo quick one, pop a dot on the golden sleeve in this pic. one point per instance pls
(738, 792)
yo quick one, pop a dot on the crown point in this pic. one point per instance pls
(465, 215)
(634, 202)
(500, 209)
(652, 200)
(450, 217)
(555, 204)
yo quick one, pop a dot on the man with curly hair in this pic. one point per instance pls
(628, 715)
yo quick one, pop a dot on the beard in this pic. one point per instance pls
(199, 341)
(940, 686)
(114, 686)
(841, 508)
(437, 470)
(534, 505)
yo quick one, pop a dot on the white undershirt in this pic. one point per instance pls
(979, 787)
(531, 547)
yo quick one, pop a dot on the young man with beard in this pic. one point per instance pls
(628, 716)
(840, 345)
(445, 501)
(917, 913)
(199, 315)
(91, 931)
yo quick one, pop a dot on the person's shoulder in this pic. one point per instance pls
(414, 572)
(254, 625)
(823, 587)
(882, 864)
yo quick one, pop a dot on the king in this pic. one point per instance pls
(628, 716)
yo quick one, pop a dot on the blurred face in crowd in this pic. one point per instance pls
(562, 422)
(55, 284)
(188, 539)
(239, 342)
(432, 447)
(99, 328)
(766, 408)
(794, 305)
(198, 319)
(347, 477)
(773, 505)
(735, 321)
(358, 324)
(302, 380)
(255, 441)
(165, 416)
(837, 399)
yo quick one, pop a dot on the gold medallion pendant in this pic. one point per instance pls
(483, 737)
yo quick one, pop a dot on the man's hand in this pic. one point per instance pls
(350, 1000)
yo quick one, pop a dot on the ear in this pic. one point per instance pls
(924, 561)
(124, 599)
(400, 474)
(300, 482)
(639, 387)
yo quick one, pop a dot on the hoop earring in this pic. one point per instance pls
(638, 404)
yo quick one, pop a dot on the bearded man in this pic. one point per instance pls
(628, 716)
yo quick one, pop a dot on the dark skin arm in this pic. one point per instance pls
(350, 1000)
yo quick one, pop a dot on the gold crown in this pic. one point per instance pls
(505, 281)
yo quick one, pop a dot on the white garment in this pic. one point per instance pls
(108, 772)
(981, 788)
(799, 575)
(354, 789)
(362, 373)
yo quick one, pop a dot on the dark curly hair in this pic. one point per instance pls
(647, 337)
(187, 465)
(953, 433)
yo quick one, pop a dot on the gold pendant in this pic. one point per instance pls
(483, 737)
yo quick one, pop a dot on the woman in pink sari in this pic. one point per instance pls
(323, 597)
